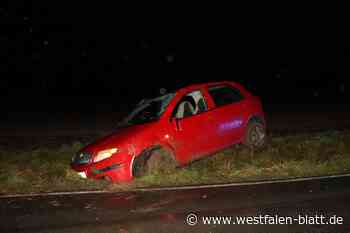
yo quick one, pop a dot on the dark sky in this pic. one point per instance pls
(97, 50)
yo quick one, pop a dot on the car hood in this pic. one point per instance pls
(119, 137)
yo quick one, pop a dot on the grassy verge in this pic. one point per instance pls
(45, 170)
(42, 170)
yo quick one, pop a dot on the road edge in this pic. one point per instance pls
(178, 188)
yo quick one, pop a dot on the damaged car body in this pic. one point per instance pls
(174, 129)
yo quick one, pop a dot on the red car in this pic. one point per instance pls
(175, 129)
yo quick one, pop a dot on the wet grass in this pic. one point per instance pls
(284, 157)
(45, 170)
(42, 170)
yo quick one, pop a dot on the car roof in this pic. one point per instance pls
(182, 88)
(203, 85)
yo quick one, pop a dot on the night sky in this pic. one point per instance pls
(76, 56)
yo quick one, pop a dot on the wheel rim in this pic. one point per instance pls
(257, 136)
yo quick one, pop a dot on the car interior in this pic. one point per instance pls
(191, 104)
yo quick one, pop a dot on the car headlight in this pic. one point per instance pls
(104, 154)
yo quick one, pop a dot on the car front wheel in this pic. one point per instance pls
(156, 161)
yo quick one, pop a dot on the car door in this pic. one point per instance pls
(191, 129)
(228, 114)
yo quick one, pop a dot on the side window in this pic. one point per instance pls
(191, 104)
(224, 94)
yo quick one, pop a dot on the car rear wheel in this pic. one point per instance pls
(155, 161)
(255, 137)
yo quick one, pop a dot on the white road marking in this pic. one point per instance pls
(248, 183)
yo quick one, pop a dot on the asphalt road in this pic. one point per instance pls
(167, 211)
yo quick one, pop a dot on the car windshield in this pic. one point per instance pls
(148, 110)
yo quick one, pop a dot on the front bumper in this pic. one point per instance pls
(113, 169)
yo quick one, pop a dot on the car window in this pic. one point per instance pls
(148, 110)
(224, 94)
(191, 104)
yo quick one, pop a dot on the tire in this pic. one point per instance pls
(255, 137)
(154, 162)
(138, 167)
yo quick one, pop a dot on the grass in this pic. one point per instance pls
(42, 170)
(45, 170)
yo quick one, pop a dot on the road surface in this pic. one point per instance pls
(167, 211)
